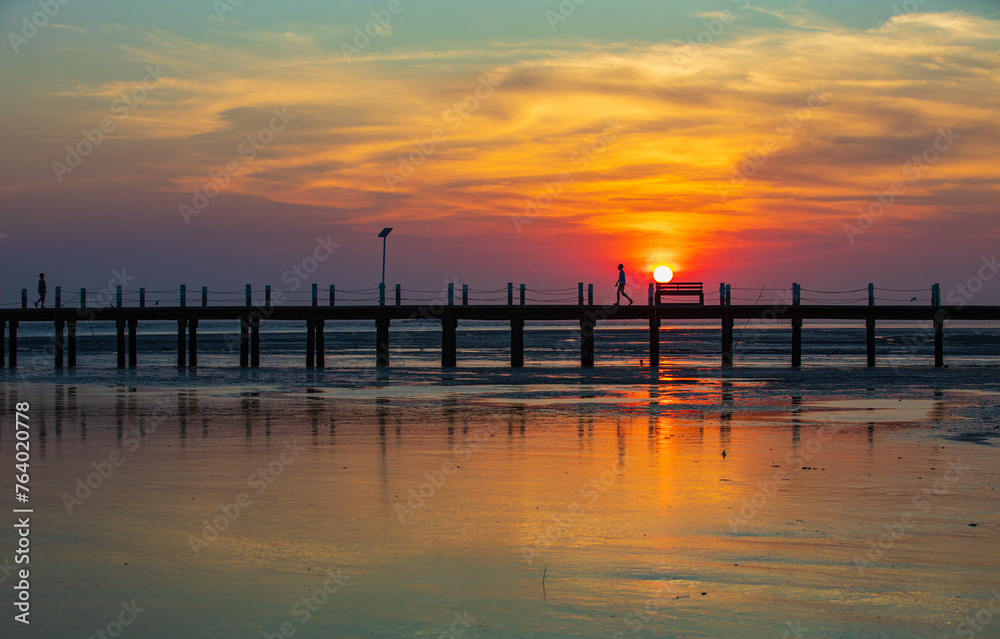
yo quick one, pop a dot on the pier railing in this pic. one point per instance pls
(315, 306)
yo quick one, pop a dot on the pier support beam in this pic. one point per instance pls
(727, 341)
(517, 343)
(870, 340)
(382, 342)
(255, 341)
(133, 350)
(939, 339)
(587, 325)
(449, 347)
(310, 343)
(181, 343)
(796, 342)
(796, 328)
(12, 345)
(59, 342)
(654, 339)
(192, 342)
(120, 329)
(244, 341)
(70, 344)
(319, 326)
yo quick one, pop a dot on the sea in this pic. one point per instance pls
(618, 501)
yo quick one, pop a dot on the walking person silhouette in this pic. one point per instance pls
(42, 289)
(621, 286)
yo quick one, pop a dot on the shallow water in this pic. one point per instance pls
(550, 502)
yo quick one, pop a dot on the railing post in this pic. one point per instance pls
(204, 296)
(465, 294)
(722, 293)
(451, 294)
(729, 298)
(510, 293)
(399, 295)
(522, 294)
(652, 293)
(267, 296)
(579, 293)
(24, 298)
(333, 294)
(183, 295)
(118, 296)
(315, 294)
(58, 297)
(249, 295)
(83, 298)
(590, 294)
(142, 297)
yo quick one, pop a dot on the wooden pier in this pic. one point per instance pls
(314, 316)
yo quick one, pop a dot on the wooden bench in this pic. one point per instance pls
(679, 289)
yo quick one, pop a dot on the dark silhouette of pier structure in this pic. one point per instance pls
(556, 305)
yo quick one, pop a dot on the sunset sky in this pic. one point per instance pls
(524, 141)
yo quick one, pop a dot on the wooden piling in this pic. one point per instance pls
(382, 342)
(70, 345)
(517, 343)
(255, 340)
(133, 349)
(120, 329)
(310, 344)
(796, 328)
(870, 340)
(587, 325)
(58, 343)
(870, 328)
(320, 348)
(3, 345)
(939, 339)
(12, 345)
(181, 341)
(939, 315)
(727, 341)
(654, 338)
(192, 342)
(244, 341)
(449, 334)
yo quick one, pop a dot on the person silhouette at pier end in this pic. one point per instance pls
(621, 286)
(42, 289)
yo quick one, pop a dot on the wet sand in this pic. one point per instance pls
(587, 509)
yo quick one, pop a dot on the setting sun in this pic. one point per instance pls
(663, 274)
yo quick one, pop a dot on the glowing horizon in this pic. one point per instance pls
(788, 143)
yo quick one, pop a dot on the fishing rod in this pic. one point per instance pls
(762, 288)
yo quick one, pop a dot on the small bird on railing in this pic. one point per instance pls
(913, 299)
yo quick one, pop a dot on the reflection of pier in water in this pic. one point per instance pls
(185, 414)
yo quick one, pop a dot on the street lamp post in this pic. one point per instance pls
(381, 287)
